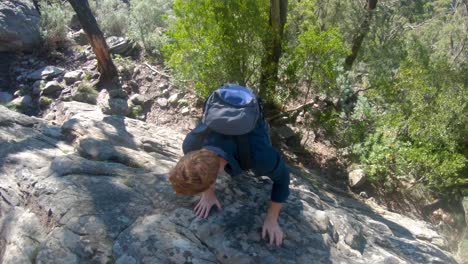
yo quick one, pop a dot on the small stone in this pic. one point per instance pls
(163, 86)
(185, 111)
(80, 37)
(162, 102)
(5, 97)
(357, 178)
(73, 76)
(165, 93)
(137, 99)
(183, 102)
(149, 78)
(173, 99)
(52, 87)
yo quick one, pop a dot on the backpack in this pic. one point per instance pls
(232, 110)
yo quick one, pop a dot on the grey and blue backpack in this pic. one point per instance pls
(231, 110)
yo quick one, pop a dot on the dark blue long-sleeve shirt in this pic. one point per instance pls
(264, 158)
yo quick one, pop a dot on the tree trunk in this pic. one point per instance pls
(269, 74)
(359, 37)
(105, 65)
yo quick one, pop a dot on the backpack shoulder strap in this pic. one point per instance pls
(243, 150)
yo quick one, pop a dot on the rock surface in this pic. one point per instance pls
(52, 87)
(120, 45)
(45, 73)
(94, 190)
(19, 26)
(5, 97)
(73, 76)
(357, 178)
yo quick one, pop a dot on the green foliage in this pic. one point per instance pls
(420, 135)
(113, 16)
(215, 42)
(136, 111)
(402, 109)
(313, 57)
(148, 23)
(85, 93)
(45, 101)
(55, 17)
(13, 107)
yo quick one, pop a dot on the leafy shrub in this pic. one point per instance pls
(85, 93)
(217, 41)
(136, 111)
(45, 101)
(55, 18)
(420, 135)
(149, 21)
(113, 16)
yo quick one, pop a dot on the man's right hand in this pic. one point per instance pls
(208, 199)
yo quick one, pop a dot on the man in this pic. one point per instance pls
(212, 147)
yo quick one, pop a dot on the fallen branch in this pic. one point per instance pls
(287, 112)
(156, 71)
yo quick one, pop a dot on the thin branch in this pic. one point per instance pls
(291, 110)
(156, 71)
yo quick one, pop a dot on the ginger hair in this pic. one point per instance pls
(195, 172)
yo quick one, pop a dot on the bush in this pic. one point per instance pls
(113, 16)
(420, 136)
(44, 102)
(85, 93)
(215, 42)
(149, 20)
(55, 18)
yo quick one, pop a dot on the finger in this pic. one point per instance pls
(218, 204)
(202, 212)
(197, 212)
(196, 206)
(198, 209)
(272, 237)
(279, 239)
(207, 212)
(263, 233)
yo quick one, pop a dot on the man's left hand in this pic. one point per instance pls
(271, 226)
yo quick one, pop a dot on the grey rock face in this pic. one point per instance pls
(112, 105)
(357, 178)
(19, 26)
(52, 87)
(97, 192)
(73, 76)
(283, 132)
(5, 97)
(80, 37)
(22, 101)
(120, 45)
(45, 73)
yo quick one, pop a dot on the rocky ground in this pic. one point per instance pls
(92, 189)
(79, 186)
